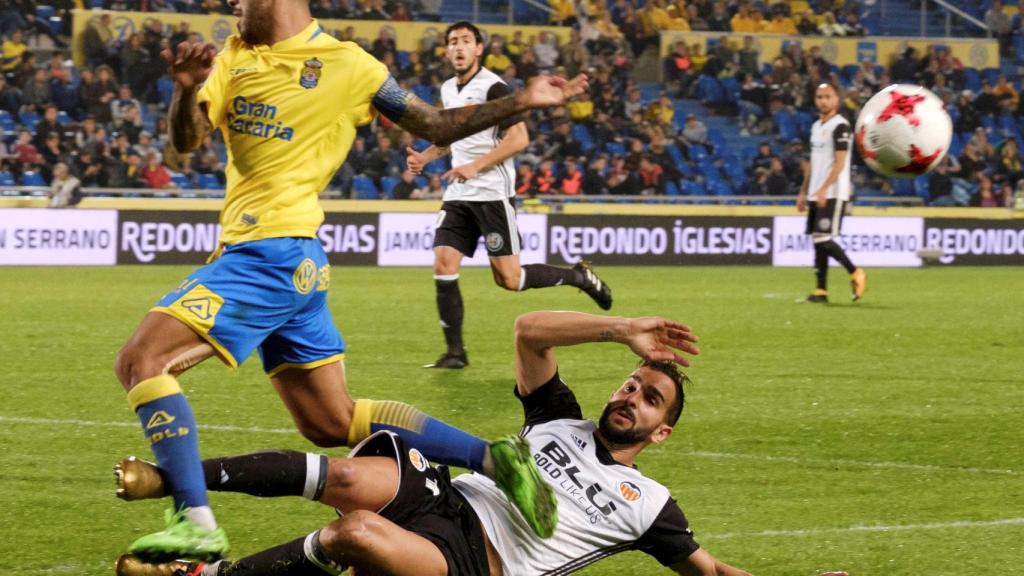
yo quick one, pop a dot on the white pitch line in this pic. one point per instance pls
(847, 462)
(698, 453)
(859, 528)
(72, 422)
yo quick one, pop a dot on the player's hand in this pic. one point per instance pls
(549, 91)
(461, 173)
(662, 340)
(822, 199)
(415, 161)
(191, 65)
(801, 203)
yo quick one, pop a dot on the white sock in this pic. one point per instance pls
(202, 516)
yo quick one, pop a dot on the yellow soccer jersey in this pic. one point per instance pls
(288, 113)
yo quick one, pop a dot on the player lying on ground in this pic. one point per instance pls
(480, 200)
(401, 516)
(288, 99)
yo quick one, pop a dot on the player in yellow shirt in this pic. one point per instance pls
(288, 98)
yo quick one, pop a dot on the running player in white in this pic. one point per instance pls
(479, 200)
(401, 516)
(826, 190)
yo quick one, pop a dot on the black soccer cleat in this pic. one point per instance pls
(818, 297)
(594, 286)
(451, 361)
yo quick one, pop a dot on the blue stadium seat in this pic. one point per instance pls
(717, 140)
(32, 179)
(7, 122)
(972, 79)
(698, 152)
(7, 179)
(421, 181)
(29, 119)
(388, 184)
(424, 92)
(402, 58)
(615, 148)
(165, 87)
(63, 118)
(44, 11)
(903, 187)
(709, 90)
(720, 189)
(181, 181)
(691, 188)
(711, 174)
(363, 188)
(991, 74)
(209, 182)
(785, 125)
(671, 188)
(731, 88)
(437, 167)
(921, 187)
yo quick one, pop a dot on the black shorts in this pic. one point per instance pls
(460, 225)
(825, 223)
(426, 504)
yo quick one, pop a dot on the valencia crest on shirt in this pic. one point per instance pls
(310, 75)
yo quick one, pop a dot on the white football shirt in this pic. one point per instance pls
(604, 507)
(826, 139)
(498, 182)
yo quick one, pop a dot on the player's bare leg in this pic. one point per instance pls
(161, 348)
(447, 261)
(319, 402)
(362, 539)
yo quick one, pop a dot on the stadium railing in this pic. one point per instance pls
(551, 201)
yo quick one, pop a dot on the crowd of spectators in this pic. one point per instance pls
(105, 121)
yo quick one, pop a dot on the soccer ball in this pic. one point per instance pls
(903, 131)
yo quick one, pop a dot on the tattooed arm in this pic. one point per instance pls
(442, 127)
(539, 333)
(190, 66)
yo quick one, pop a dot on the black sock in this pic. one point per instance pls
(839, 255)
(821, 265)
(545, 275)
(285, 560)
(268, 474)
(449, 308)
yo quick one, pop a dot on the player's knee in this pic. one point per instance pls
(353, 534)
(131, 367)
(343, 473)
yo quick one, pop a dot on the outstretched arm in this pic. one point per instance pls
(442, 127)
(702, 563)
(538, 333)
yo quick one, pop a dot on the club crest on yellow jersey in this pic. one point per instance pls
(310, 75)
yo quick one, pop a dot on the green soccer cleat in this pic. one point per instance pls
(517, 476)
(128, 565)
(181, 539)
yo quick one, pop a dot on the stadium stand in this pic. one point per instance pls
(701, 116)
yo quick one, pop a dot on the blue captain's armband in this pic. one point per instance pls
(391, 100)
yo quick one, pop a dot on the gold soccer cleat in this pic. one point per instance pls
(139, 480)
(858, 283)
(128, 565)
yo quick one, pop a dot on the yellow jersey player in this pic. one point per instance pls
(288, 98)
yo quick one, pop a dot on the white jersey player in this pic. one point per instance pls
(401, 516)
(479, 202)
(826, 191)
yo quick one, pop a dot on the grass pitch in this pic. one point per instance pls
(882, 438)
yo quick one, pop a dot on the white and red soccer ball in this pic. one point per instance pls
(903, 131)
